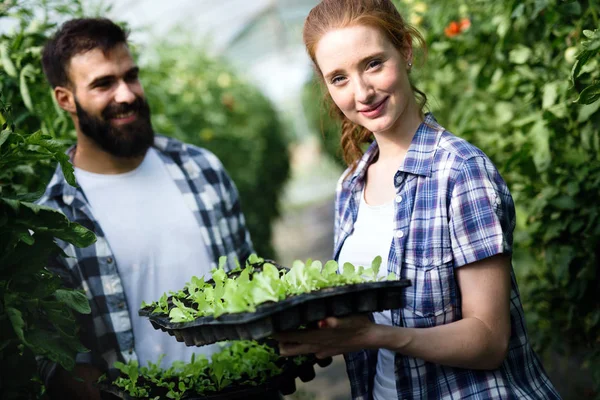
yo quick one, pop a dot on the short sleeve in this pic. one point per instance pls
(482, 213)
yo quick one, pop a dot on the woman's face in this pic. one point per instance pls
(367, 77)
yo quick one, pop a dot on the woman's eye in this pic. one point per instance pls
(373, 64)
(337, 79)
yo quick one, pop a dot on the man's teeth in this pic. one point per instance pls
(124, 115)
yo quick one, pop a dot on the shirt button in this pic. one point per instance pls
(109, 260)
(399, 234)
(425, 261)
(398, 199)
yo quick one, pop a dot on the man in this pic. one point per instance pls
(162, 210)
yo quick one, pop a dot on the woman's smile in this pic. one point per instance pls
(376, 110)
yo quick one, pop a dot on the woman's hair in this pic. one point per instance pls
(380, 14)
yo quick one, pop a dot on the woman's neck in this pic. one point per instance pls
(394, 143)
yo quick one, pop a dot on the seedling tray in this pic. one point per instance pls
(285, 383)
(288, 314)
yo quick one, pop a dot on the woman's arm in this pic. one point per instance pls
(478, 341)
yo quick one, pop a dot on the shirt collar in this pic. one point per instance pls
(419, 158)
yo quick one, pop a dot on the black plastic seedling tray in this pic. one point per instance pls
(284, 384)
(288, 314)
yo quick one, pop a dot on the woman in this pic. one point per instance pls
(437, 211)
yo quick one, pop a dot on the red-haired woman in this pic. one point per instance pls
(438, 212)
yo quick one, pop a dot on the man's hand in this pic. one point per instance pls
(76, 384)
(334, 336)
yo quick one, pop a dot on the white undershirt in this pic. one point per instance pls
(372, 236)
(156, 242)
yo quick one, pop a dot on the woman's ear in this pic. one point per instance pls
(65, 99)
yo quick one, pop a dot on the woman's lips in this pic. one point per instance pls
(376, 111)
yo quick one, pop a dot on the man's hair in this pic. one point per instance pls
(75, 37)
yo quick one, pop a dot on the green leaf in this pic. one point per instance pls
(582, 59)
(7, 63)
(520, 55)
(26, 237)
(75, 299)
(550, 91)
(18, 324)
(541, 140)
(518, 11)
(564, 202)
(504, 112)
(572, 8)
(376, 264)
(590, 94)
(331, 267)
(25, 72)
(3, 136)
(587, 110)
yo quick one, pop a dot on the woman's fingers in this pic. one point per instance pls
(330, 322)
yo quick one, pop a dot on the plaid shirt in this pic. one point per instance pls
(213, 199)
(452, 208)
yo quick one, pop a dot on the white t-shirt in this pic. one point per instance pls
(372, 237)
(157, 244)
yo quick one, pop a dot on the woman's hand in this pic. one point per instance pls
(334, 336)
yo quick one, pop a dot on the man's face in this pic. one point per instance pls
(110, 102)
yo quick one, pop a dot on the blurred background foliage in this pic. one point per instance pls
(507, 76)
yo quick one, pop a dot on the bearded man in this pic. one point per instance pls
(162, 210)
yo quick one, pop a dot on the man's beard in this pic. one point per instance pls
(129, 140)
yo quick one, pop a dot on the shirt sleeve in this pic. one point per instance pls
(482, 213)
(235, 218)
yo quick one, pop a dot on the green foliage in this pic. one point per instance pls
(37, 313)
(198, 99)
(23, 82)
(244, 289)
(240, 363)
(23, 87)
(591, 47)
(506, 84)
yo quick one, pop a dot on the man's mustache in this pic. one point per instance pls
(113, 110)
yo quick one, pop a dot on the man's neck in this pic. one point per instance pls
(90, 157)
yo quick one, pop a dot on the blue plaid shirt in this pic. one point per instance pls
(213, 199)
(452, 208)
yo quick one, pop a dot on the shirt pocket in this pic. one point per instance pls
(431, 298)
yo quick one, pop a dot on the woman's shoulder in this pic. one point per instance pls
(458, 147)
